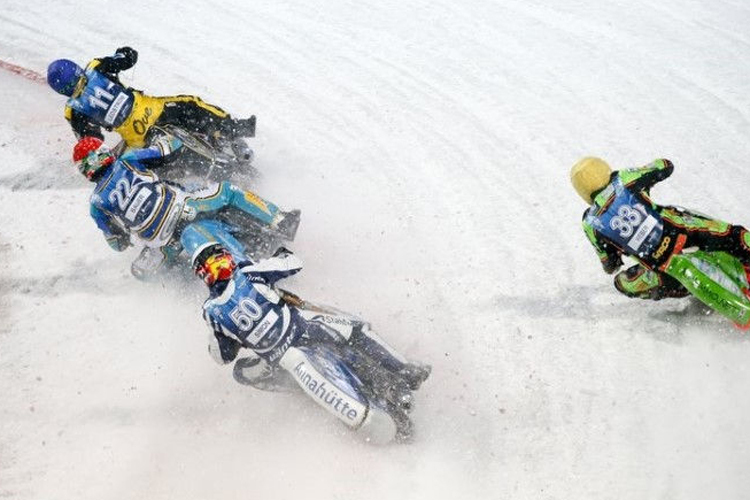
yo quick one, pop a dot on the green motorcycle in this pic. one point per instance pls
(717, 279)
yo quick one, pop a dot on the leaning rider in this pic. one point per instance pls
(131, 202)
(97, 99)
(622, 219)
(245, 311)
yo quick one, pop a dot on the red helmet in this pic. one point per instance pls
(214, 264)
(91, 156)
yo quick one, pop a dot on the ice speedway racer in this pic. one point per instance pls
(333, 357)
(214, 142)
(679, 252)
(131, 204)
(97, 100)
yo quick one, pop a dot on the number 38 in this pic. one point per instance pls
(626, 219)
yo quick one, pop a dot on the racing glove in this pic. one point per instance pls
(130, 54)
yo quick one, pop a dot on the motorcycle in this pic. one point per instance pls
(717, 279)
(367, 398)
(335, 358)
(200, 160)
(237, 231)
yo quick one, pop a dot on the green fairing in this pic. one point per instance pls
(716, 279)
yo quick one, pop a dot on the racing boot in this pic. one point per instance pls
(637, 281)
(253, 371)
(241, 150)
(414, 374)
(286, 223)
(238, 127)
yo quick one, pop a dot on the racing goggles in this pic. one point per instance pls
(95, 161)
(217, 267)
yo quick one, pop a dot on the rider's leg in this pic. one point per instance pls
(198, 235)
(386, 356)
(735, 241)
(710, 234)
(197, 115)
(226, 195)
(638, 281)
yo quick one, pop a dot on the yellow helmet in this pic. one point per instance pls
(589, 175)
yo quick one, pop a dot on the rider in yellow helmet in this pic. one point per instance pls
(622, 219)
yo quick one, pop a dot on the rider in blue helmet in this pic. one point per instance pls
(97, 99)
(63, 76)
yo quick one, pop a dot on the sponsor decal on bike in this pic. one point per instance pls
(663, 247)
(718, 299)
(328, 395)
(257, 201)
(335, 320)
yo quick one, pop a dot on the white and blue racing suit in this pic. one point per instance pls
(247, 312)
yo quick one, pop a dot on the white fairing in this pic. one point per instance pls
(342, 323)
(378, 427)
(373, 424)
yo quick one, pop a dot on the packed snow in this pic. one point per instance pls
(428, 144)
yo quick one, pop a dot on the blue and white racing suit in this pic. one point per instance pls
(316, 349)
(248, 312)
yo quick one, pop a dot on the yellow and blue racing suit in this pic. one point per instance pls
(101, 101)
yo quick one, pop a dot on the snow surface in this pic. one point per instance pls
(428, 144)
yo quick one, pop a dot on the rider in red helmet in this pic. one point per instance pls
(131, 202)
(91, 155)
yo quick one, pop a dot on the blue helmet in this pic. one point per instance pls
(63, 76)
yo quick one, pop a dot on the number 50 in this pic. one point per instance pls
(246, 314)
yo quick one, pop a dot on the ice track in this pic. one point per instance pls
(428, 146)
